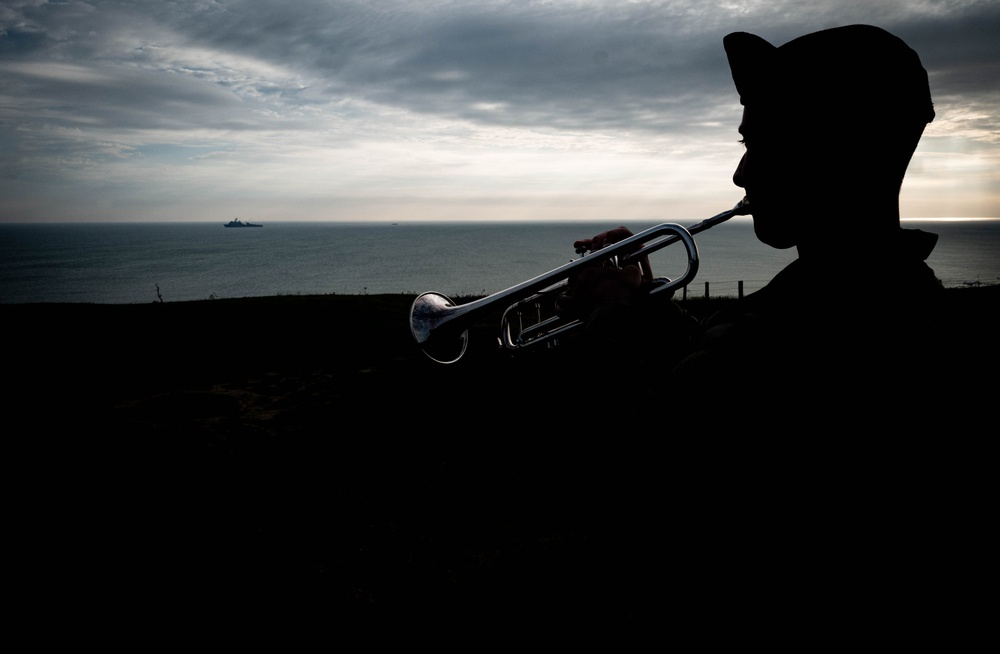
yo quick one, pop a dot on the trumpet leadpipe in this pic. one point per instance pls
(742, 208)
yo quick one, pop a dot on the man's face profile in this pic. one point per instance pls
(778, 173)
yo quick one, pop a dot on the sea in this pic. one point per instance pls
(133, 263)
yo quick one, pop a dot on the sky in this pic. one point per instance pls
(393, 110)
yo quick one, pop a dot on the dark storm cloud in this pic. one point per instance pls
(565, 66)
(554, 73)
(573, 65)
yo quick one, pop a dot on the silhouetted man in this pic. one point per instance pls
(830, 122)
(804, 463)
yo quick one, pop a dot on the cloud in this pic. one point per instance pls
(371, 104)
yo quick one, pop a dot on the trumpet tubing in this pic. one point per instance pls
(440, 326)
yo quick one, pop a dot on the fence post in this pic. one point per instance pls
(684, 292)
(706, 290)
(740, 285)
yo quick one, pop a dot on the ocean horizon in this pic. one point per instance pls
(129, 263)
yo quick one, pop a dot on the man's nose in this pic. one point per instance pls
(738, 175)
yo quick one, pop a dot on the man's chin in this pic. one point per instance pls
(776, 238)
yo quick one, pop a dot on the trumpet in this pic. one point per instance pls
(441, 327)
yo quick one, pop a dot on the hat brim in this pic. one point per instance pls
(750, 57)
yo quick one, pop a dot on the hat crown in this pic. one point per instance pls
(859, 66)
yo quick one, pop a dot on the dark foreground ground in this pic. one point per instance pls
(300, 451)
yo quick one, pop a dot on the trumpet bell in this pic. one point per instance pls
(429, 325)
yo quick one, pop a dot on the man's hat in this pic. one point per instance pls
(857, 70)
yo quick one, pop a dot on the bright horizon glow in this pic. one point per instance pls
(419, 221)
